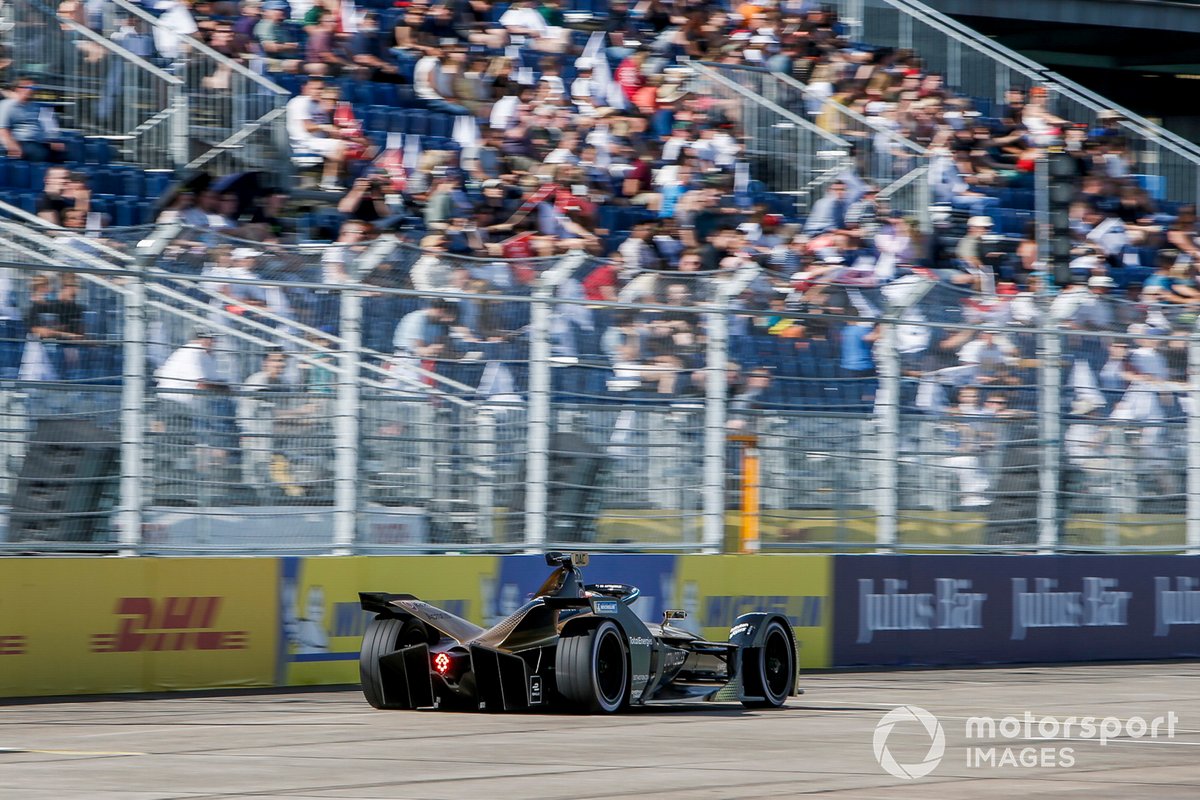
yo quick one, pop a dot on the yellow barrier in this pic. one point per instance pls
(106, 625)
(98, 625)
(321, 623)
(716, 589)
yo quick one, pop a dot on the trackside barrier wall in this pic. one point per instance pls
(84, 626)
(106, 625)
(958, 610)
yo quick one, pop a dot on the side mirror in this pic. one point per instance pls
(673, 613)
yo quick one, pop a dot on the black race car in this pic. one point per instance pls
(574, 646)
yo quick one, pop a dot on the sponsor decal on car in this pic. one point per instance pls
(641, 640)
(169, 623)
(535, 689)
(605, 606)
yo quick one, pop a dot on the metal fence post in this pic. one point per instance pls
(888, 439)
(180, 123)
(910, 291)
(347, 442)
(1049, 410)
(715, 386)
(537, 462)
(346, 426)
(1193, 440)
(133, 407)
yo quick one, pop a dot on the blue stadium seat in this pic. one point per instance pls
(398, 121)
(18, 174)
(376, 118)
(418, 121)
(157, 182)
(441, 123)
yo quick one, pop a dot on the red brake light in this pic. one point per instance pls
(441, 663)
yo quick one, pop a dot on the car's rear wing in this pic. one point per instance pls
(379, 602)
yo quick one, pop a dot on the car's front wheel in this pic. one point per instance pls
(592, 669)
(774, 668)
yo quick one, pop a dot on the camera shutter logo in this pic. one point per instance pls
(927, 721)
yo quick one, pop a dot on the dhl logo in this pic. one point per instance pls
(12, 645)
(172, 623)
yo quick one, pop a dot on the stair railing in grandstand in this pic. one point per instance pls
(236, 120)
(789, 154)
(267, 327)
(99, 88)
(980, 68)
(885, 159)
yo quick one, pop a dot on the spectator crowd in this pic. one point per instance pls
(494, 139)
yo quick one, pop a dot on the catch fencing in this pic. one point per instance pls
(351, 412)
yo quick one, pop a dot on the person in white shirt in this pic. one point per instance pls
(308, 134)
(174, 24)
(189, 368)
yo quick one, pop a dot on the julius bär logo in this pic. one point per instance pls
(172, 623)
(12, 645)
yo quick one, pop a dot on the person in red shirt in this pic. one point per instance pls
(629, 74)
(602, 282)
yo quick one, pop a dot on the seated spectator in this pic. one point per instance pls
(53, 199)
(26, 126)
(427, 82)
(312, 131)
(189, 368)
(274, 38)
(829, 213)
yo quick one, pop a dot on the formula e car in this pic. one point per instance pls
(574, 646)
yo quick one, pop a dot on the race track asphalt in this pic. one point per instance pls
(332, 745)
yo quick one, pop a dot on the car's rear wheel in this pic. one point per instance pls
(384, 636)
(592, 669)
(774, 668)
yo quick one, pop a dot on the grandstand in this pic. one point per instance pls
(434, 237)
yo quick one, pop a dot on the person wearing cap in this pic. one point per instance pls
(969, 254)
(190, 368)
(272, 34)
(24, 131)
(1097, 313)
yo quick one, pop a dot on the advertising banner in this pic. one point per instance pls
(320, 622)
(714, 590)
(99, 625)
(952, 610)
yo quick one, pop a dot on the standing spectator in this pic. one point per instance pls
(829, 213)
(24, 126)
(858, 365)
(970, 256)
